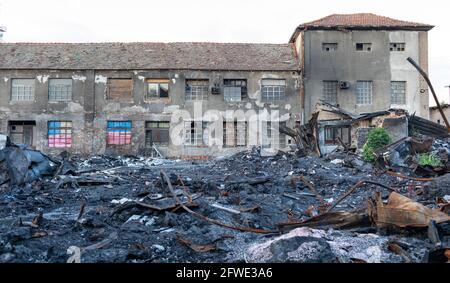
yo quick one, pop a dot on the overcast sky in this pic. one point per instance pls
(267, 21)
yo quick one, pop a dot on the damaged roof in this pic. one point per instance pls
(148, 55)
(360, 21)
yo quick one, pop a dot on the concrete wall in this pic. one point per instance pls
(90, 110)
(436, 116)
(380, 66)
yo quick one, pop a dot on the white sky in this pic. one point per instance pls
(268, 21)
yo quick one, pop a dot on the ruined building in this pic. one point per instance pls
(130, 98)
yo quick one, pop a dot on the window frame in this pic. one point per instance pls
(66, 131)
(325, 87)
(367, 98)
(236, 135)
(122, 131)
(329, 46)
(279, 89)
(394, 100)
(337, 131)
(32, 90)
(158, 83)
(235, 83)
(70, 93)
(197, 91)
(365, 46)
(195, 133)
(149, 128)
(393, 46)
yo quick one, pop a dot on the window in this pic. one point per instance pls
(273, 138)
(22, 90)
(120, 89)
(363, 46)
(60, 89)
(119, 132)
(333, 132)
(397, 46)
(330, 91)
(398, 93)
(157, 89)
(156, 133)
(60, 134)
(234, 133)
(197, 90)
(273, 90)
(196, 133)
(329, 46)
(364, 92)
(234, 90)
(22, 132)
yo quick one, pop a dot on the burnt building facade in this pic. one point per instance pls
(195, 100)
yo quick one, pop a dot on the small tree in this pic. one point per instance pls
(377, 139)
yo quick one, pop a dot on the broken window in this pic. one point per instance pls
(273, 90)
(22, 132)
(398, 93)
(120, 89)
(119, 132)
(156, 132)
(273, 138)
(364, 92)
(332, 133)
(329, 92)
(329, 46)
(157, 89)
(234, 90)
(397, 46)
(22, 90)
(60, 134)
(196, 133)
(60, 89)
(197, 90)
(363, 46)
(234, 133)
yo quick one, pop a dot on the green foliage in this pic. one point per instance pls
(377, 138)
(429, 159)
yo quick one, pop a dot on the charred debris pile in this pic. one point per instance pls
(299, 206)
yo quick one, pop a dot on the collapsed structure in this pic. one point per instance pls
(142, 98)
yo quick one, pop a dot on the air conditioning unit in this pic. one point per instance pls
(344, 84)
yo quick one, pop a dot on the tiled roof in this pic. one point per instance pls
(361, 21)
(145, 55)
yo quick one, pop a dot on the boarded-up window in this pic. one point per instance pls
(196, 90)
(119, 132)
(156, 133)
(157, 89)
(60, 89)
(60, 134)
(22, 90)
(120, 89)
(273, 90)
(22, 132)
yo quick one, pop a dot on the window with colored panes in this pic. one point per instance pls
(119, 132)
(60, 134)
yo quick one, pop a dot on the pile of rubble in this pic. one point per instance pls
(242, 208)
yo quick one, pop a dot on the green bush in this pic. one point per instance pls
(377, 138)
(429, 159)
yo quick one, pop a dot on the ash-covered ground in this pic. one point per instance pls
(119, 209)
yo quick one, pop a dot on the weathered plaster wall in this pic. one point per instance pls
(90, 109)
(380, 66)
